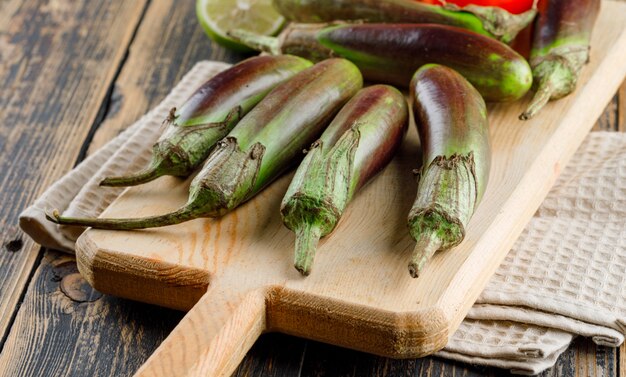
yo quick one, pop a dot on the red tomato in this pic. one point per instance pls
(513, 6)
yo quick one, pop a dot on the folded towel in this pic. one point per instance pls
(565, 276)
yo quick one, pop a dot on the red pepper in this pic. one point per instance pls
(513, 6)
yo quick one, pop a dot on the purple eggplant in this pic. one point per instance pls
(359, 142)
(493, 22)
(451, 119)
(391, 53)
(561, 45)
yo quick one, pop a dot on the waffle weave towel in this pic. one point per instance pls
(565, 276)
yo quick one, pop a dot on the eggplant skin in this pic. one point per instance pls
(390, 53)
(560, 49)
(451, 118)
(244, 85)
(494, 22)
(388, 11)
(295, 113)
(380, 114)
(563, 22)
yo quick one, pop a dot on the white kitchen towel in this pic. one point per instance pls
(531, 309)
(519, 347)
(571, 258)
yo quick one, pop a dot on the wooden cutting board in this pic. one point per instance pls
(238, 269)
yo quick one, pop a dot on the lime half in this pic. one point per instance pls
(217, 17)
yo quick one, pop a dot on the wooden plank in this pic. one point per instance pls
(331, 361)
(588, 359)
(582, 359)
(167, 45)
(104, 335)
(608, 121)
(66, 328)
(248, 252)
(58, 61)
(622, 360)
(274, 355)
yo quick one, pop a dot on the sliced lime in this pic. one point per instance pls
(217, 17)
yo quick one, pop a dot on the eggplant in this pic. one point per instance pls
(560, 49)
(265, 143)
(391, 53)
(209, 114)
(451, 119)
(359, 142)
(493, 22)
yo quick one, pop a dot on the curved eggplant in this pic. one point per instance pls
(451, 119)
(359, 142)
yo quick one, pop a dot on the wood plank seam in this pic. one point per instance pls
(99, 118)
(105, 106)
(22, 267)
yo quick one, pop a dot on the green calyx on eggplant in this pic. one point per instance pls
(560, 49)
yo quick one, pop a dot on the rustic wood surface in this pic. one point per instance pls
(59, 62)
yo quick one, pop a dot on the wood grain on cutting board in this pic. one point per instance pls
(359, 294)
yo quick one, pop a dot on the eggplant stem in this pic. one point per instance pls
(500, 23)
(181, 215)
(540, 99)
(307, 238)
(256, 41)
(427, 244)
(149, 174)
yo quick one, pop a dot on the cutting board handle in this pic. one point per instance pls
(213, 338)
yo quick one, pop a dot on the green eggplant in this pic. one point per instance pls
(265, 143)
(451, 119)
(359, 142)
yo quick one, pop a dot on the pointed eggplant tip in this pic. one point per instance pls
(414, 271)
(427, 244)
(152, 172)
(303, 270)
(540, 99)
(53, 216)
(307, 238)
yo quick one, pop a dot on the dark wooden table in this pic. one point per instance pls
(72, 75)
